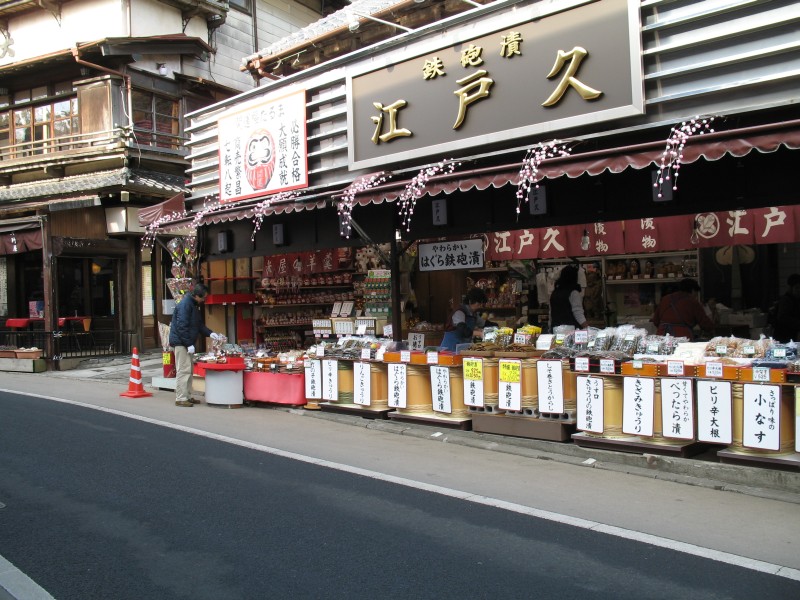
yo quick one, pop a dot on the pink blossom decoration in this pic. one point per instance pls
(672, 157)
(347, 200)
(529, 172)
(415, 188)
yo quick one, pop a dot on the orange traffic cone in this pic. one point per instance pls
(135, 387)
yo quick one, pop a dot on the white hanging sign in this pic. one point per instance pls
(416, 341)
(714, 412)
(362, 392)
(590, 403)
(397, 385)
(637, 406)
(551, 386)
(473, 381)
(762, 417)
(313, 379)
(461, 254)
(677, 408)
(440, 389)
(330, 380)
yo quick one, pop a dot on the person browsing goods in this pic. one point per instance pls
(464, 320)
(566, 302)
(679, 312)
(187, 324)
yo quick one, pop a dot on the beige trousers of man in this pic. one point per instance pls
(183, 376)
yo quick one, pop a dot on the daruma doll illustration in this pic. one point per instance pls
(259, 159)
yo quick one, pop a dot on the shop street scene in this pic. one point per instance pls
(135, 498)
(383, 298)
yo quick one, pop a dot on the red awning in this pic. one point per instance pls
(149, 214)
(21, 241)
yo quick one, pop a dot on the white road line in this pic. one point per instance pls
(646, 538)
(19, 585)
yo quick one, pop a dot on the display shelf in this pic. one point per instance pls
(231, 278)
(230, 299)
(489, 270)
(299, 305)
(265, 326)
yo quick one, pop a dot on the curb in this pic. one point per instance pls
(783, 486)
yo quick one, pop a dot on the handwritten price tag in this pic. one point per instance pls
(582, 364)
(674, 367)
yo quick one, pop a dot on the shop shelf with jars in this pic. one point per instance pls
(377, 293)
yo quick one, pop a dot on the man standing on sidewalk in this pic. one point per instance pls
(187, 323)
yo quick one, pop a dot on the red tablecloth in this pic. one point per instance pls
(278, 388)
(235, 363)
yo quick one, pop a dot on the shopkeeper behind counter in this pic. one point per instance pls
(464, 320)
(679, 312)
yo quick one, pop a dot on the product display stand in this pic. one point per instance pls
(355, 410)
(639, 445)
(554, 430)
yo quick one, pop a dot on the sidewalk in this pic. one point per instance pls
(701, 471)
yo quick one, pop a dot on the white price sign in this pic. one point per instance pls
(551, 386)
(366, 354)
(416, 341)
(387, 331)
(440, 389)
(714, 412)
(582, 364)
(405, 356)
(330, 380)
(379, 354)
(581, 336)
(522, 338)
(397, 385)
(362, 383)
(638, 406)
(473, 381)
(607, 366)
(714, 370)
(760, 374)
(361, 329)
(590, 403)
(313, 379)
(674, 367)
(432, 358)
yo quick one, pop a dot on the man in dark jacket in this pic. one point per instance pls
(187, 323)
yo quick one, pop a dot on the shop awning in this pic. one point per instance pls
(23, 238)
(711, 146)
(149, 214)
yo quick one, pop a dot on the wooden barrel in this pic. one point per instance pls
(378, 386)
(570, 381)
(787, 416)
(613, 395)
(345, 381)
(491, 377)
(529, 388)
(658, 422)
(458, 410)
(419, 400)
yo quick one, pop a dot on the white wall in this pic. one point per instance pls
(38, 33)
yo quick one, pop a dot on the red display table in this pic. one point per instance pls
(200, 367)
(276, 388)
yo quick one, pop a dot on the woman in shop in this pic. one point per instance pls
(680, 312)
(566, 302)
(464, 320)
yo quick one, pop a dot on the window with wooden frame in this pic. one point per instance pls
(156, 120)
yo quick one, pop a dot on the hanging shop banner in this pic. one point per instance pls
(724, 230)
(515, 74)
(441, 256)
(262, 148)
(714, 412)
(308, 263)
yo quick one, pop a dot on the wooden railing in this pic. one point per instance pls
(90, 143)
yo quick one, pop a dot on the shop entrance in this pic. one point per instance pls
(89, 287)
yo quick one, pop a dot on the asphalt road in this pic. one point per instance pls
(101, 506)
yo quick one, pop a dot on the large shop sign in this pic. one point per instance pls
(531, 70)
(262, 148)
(772, 225)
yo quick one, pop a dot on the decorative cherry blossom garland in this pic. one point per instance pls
(672, 156)
(262, 209)
(210, 205)
(347, 200)
(529, 173)
(416, 187)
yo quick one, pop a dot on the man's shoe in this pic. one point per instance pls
(194, 400)
(183, 403)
